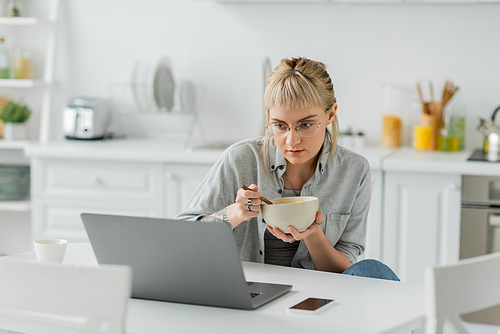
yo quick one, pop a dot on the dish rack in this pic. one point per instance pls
(137, 110)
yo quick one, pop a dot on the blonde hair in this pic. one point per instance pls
(300, 83)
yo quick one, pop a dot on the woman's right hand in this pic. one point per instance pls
(242, 209)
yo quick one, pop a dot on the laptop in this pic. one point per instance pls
(180, 261)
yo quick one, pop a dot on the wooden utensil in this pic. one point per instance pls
(424, 104)
(262, 198)
(419, 89)
(448, 92)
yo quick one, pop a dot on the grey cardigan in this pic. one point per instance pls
(342, 186)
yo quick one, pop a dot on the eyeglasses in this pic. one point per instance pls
(304, 129)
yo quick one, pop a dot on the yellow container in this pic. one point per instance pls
(421, 137)
(391, 131)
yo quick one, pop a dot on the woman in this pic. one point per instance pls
(297, 157)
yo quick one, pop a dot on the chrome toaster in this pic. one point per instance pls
(86, 118)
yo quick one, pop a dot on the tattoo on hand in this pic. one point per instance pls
(218, 217)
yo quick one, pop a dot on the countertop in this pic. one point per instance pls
(406, 159)
(152, 150)
(403, 159)
(137, 150)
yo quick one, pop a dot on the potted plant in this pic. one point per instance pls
(3, 101)
(13, 8)
(14, 115)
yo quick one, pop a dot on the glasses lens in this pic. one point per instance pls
(277, 129)
(307, 129)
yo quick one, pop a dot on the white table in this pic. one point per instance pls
(361, 305)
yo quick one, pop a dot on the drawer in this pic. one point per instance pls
(96, 180)
(57, 219)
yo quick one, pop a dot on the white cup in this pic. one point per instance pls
(50, 250)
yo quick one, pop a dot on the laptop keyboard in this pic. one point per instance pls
(255, 294)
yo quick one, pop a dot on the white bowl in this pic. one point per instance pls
(298, 212)
(50, 250)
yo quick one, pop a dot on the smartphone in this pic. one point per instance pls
(310, 305)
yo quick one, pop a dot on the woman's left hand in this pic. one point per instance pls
(294, 234)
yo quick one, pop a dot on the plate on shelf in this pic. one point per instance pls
(135, 87)
(188, 97)
(164, 85)
(146, 75)
(267, 69)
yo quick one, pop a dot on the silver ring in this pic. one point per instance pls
(248, 206)
(317, 223)
(292, 241)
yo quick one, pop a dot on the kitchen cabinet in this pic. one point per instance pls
(62, 189)
(373, 245)
(136, 177)
(181, 181)
(98, 180)
(375, 156)
(60, 218)
(421, 221)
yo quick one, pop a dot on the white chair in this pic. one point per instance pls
(452, 290)
(46, 298)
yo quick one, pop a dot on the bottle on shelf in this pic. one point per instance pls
(4, 60)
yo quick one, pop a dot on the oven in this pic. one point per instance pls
(480, 228)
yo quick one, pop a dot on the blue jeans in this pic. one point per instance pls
(371, 268)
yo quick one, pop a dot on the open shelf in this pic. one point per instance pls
(18, 83)
(15, 144)
(17, 206)
(26, 21)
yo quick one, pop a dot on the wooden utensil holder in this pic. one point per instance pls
(432, 117)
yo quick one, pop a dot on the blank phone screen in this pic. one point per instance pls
(311, 304)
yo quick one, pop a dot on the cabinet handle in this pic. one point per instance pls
(94, 178)
(170, 176)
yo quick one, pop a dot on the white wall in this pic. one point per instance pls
(222, 46)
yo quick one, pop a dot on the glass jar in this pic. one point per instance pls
(398, 106)
(23, 64)
(453, 134)
(13, 8)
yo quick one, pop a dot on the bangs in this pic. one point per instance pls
(292, 91)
